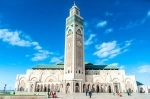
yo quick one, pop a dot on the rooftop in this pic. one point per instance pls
(88, 66)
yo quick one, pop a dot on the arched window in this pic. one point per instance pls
(79, 71)
(68, 71)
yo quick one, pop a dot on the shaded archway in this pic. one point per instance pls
(38, 88)
(31, 88)
(102, 90)
(97, 88)
(84, 87)
(109, 89)
(68, 88)
(116, 89)
(22, 85)
(77, 87)
(45, 88)
(56, 88)
(141, 90)
(48, 87)
(93, 88)
(61, 87)
(52, 87)
(41, 90)
(89, 87)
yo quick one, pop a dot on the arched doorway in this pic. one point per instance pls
(22, 85)
(61, 87)
(21, 89)
(130, 90)
(41, 90)
(141, 90)
(31, 88)
(109, 89)
(52, 87)
(116, 89)
(38, 88)
(89, 87)
(102, 90)
(68, 88)
(97, 88)
(84, 88)
(56, 88)
(45, 88)
(93, 89)
(48, 87)
(77, 87)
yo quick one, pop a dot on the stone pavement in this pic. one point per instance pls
(102, 96)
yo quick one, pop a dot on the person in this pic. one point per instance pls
(51, 94)
(48, 95)
(128, 93)
(55, 96)
(86, 91)
(90, 94)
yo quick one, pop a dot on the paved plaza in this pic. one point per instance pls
(102, 96)
(81, 96)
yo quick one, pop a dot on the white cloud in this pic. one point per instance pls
(89, 40)
(38, 47)
(13, 38)
(101, 24)
(109, 30)
(122, 67)
(110, 49)
(108, 14)
(137, 22)
(128, 43)
(16, 38)
(117, 65)
(56, 59)
(98, 62)
(148, 14)
(27, 55)
(41, 55)
(144, 69)
(114, 64)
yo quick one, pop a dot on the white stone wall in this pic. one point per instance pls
(103, 78)
(143, 89)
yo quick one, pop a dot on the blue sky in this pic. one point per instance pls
(32, 32)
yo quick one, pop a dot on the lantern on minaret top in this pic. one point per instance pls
(74, 10)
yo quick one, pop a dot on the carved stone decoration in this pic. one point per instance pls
(69, 50)
(79, 50)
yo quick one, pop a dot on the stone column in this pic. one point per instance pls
(80, 87)
(34, 87)
(113, 87)
(28, 86)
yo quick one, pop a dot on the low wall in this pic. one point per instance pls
(22, 97)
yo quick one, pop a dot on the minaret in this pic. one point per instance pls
(74, 67)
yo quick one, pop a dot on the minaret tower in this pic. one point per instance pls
(74, 67)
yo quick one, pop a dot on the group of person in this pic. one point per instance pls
(51, 94)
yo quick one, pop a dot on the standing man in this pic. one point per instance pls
(86, 91)
(90, 94)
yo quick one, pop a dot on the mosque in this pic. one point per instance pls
(74, 75)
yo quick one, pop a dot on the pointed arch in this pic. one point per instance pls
(51, 79)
